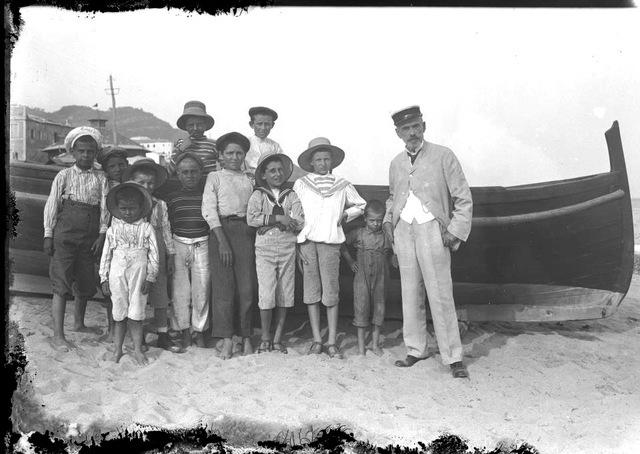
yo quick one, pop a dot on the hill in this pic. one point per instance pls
(132, 121)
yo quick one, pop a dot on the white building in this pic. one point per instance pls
(162, 147)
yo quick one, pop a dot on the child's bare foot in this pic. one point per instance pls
(87, 329)
(117, 355)
(200, 340)
(227, 349)
(377, 350)
(140, 358)
(62, 344)
(247, 348)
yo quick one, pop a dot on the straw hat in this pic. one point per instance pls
(287, 164)
(112, 205)
(147, 163)
(320, 144)
(232, 137)
(195, 109)
(81, 131)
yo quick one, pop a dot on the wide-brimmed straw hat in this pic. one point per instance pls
(111, 152)
(112, 205)
(147, 163)
(287, 165)
(81, 131)
(195, 109)
(320, 144)
(232, 137)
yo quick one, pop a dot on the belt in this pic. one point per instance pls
(74, 203)
(233, 217)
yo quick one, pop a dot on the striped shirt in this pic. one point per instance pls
(204, 148)
(159, 220)
(123, 236)
(185, 214)
(226, 193)
(85, 186)
(324, 183)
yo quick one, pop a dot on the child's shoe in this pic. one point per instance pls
(200, 340)
(186, 339)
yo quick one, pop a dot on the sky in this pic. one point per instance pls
(520, 95)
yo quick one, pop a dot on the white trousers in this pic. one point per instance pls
(191, 284)
(127, 274)
(425, 262)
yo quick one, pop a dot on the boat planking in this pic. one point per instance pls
(552, 251)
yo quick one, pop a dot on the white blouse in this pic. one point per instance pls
(323, 208)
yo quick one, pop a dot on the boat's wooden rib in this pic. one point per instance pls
(559, 250)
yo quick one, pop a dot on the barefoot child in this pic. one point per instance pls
(75, 220)
(327, 201)
(277, 213)
(371, 273)
(150, 175)
(129, 264)
(262, 120)
(231, 244)
(191, 277)
(114, 162)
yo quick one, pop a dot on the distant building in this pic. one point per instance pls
(162, 147)
(29, 134)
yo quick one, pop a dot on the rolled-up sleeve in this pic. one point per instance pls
(210, 201)
(255, 216)
(105, 216)
(105, 259)
(52, 205)
(152, 255)
(355, 203)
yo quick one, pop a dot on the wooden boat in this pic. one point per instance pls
(559, 250)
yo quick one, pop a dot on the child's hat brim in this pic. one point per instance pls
(112, 204)
(287, 163)
(147, 163)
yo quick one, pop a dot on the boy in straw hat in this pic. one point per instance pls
(113, 161)
(277, 214)
(231, 251)
(196, 121)
(75, 220)
(129, 263)
(262, 120)
(327, 200)
(151, 176)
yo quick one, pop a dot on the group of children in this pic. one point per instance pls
(200, 255)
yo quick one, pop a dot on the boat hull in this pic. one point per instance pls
(560, 250)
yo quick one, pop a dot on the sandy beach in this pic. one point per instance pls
(562, 387)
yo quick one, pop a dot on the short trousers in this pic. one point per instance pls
(320, 273)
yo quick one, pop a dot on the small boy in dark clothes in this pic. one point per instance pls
(371, 273)
(75, 224)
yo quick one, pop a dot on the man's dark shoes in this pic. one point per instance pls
(408, 361)
(459, 370)
(164, 342)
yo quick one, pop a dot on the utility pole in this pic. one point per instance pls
(113, 94)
